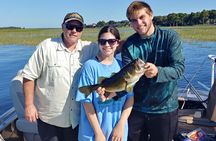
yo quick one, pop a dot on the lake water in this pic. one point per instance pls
(14, 57)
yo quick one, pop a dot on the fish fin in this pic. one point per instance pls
(127, 77)
(87, 90)
(129, 89)
(101, 79)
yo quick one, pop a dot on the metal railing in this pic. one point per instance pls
(7, 118)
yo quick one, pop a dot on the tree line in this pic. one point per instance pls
(172, 19)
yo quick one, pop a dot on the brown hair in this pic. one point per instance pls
(110, 29)
(135, 6)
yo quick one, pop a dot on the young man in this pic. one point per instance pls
(52, 75)
(154, 114)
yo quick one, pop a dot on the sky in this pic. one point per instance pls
(50, 13)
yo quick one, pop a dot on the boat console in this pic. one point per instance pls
(29, 129)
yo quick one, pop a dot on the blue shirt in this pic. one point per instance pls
(108, 112)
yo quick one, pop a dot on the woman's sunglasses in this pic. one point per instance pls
(110, 41)
(79, 28)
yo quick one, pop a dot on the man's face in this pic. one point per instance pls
(72, 31)
(141, 22)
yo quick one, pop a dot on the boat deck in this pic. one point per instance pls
(187, 127)
(195, 119)
(10, 133)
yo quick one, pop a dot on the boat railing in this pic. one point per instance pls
(213, 58)
(194, 94)
(7, 118)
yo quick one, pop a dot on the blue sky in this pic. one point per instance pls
(50, 13)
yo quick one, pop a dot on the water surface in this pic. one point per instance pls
(14, 57)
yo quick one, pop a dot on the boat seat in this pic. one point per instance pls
(211, 107)
(29, 129)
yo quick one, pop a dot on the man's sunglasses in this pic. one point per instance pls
(110, 41)
(78, 28)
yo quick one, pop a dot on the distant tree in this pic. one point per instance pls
(111, 22)
(124, 23)
(204, 16)
(193, 18)
(11, 27)
(212, 16)
(160, 20)
(182, 19)
(101, 24)
(172, 19)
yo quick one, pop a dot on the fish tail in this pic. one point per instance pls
(87, 90)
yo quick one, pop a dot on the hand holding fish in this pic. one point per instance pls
(101, 91)
(151, 70)
(124, 80)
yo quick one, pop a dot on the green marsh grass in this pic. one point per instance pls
(92, 33)
(35, 36)
(202, 33)
(26, 36)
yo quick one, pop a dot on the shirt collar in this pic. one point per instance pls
(62, 46)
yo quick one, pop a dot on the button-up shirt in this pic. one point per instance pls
(56, 71)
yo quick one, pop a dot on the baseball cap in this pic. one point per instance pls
(73, 16)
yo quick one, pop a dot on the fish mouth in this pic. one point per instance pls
(139, 66)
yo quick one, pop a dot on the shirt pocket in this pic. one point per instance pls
(55, 71)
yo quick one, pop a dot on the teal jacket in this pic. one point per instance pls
(164, 49)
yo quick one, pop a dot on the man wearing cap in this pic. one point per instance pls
(50, 79)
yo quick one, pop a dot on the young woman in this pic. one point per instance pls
(103, 121)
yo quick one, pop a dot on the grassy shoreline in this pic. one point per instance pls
(35, 36)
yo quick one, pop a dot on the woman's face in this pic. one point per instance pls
(107, 44)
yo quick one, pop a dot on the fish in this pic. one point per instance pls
(124, 80)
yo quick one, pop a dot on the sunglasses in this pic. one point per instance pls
(110, 41)
(78, 28)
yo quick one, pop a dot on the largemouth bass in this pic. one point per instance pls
(124, 80)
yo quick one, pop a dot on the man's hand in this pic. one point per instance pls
(151, 70)
(31, 113)
(103, 97)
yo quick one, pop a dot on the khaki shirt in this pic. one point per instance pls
(56, 71)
